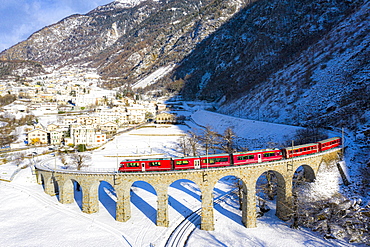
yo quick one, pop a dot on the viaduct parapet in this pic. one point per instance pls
(63, 182)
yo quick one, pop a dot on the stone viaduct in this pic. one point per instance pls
(63, 182)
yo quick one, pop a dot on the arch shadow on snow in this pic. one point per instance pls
(187, 187)
(108, 197)
(140, 203)
(178, 184)
(56, 187)
(222, 208)
(78, 194)
(179, 207)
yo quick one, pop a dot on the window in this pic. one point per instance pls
(215, 160)
(268, 154)
(182, 162)
(135, 164)
(156, 163)
(246, 157)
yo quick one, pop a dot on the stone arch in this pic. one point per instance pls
(68, 189)
(142, 196)
(107, 196)
(177, 191)
(305, 172)
(49, 183)
(42, 180)
(276, 185)
(78, 193)
(55, 186)
(90, 201)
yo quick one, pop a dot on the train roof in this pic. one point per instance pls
(187, 157)
(214, 155)
(257, 151)
(329, 140)
(301, 146)
(151, 159)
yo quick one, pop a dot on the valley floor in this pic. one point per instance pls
(29, 217)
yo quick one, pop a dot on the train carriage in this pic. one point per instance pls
(300, 150)
(329, 143)
(142, 165)
(220, 160)
(183, 163)
(257, 156)
(214, 160)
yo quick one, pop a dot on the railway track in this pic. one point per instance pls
(182, 232)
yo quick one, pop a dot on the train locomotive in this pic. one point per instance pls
(222, 160)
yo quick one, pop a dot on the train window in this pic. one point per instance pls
(215, 160)
(221, 160)
(268, 154)
(156, 163)
(132, 164)
(182, 162)
(247, 157)
(210, 161)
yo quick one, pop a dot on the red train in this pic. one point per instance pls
(220, 160)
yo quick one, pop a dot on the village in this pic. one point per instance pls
(81, 112)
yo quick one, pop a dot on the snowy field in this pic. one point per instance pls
(29, 217)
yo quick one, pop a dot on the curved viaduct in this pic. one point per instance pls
(206, 179)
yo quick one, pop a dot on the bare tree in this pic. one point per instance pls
(81, 160)
(63, 159)
(228, 141)
(18, 158)
(268, 185)
(193, 141)
(183, 145)
(210, 139)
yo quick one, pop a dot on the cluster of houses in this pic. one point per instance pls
(87, 114)
(93, 129)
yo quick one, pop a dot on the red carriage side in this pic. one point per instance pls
(130, 166)
(329, 143)
(214, 160)
(160, 164)
(272, 155)
(305, 149)
(183, 163)
(258, 156)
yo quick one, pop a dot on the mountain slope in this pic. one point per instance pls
(297, 62)
(128, 41)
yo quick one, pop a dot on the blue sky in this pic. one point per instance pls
(20, 18)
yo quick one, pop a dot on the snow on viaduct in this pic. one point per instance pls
(63, 182)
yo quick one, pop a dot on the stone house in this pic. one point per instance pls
(165, 118)
(37, 137)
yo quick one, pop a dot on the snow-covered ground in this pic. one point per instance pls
(29, 217)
